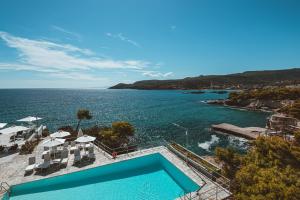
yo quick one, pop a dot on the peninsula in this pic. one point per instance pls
(245, 80)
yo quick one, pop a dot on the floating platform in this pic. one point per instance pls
(250, 133)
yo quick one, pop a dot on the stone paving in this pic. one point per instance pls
(12, 168)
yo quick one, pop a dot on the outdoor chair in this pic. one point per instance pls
(57, 160)
(45, 164)
(31, 165)
(65, 157)
(73, 146)
(91, 154)
(77, 156)
(66, 144)
(46, 151)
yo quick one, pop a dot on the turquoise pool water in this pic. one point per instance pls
(149, 177)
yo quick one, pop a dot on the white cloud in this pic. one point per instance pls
(120, 36)
(41, 55)
(77, 76)
(65, 61)
(73, 34)
(156, 74)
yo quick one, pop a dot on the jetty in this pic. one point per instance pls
(250, 133)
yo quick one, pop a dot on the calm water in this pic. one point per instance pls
(133, 179)
(151, 112)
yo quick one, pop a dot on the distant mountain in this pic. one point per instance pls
(248, 79)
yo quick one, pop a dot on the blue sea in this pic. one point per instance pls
(151, 112)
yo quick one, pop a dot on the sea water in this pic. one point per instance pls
(151, 112)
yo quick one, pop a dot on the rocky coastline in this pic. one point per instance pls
(253, 104)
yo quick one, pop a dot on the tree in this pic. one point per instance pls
(270, 170)
(118, 134)
(81, 115)
(297, 138)
(230, 159)
(124, 129)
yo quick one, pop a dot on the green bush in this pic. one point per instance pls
(270, 170)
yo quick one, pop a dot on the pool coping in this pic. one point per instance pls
(162, 150)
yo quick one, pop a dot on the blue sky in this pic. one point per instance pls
(94, 43)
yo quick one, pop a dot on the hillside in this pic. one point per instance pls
(249, 79)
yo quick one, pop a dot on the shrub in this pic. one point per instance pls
(28, 147)
(270, 170)
(14, 147)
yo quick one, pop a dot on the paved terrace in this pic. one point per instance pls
(12, 168)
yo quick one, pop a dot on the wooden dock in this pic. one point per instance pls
(250, 133)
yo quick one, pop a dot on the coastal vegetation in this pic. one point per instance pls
(282, 99)
(292, 110)
(83, 114)
(28, 147)
(276, 93)
(118, 135)
(270, 170)
(245, 80)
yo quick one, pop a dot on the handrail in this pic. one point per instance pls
(219, 178)
(4, 188)
(218, 191)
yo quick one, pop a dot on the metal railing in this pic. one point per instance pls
(4, 186)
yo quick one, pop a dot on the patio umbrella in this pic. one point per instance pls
(4, 140)
(2, 125)
(53, 142)
(85, 139)
(29, 119)
(80, 133)
(13, 129)
(60, 134)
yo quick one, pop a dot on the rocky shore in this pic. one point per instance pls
(254, 104)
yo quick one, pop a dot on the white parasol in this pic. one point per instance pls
(85, 139)
(53, 142)
(60, 134)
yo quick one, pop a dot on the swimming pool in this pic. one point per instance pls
(150, 177)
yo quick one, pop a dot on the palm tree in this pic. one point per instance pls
(81, 115)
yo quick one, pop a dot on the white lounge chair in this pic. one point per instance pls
(31, 165)
(65, 157)
(57, 160)
(66, 144)
(45, 164)
(88, 145)
(46, 151)
(77, 156)
(91, 154)
(73, 146)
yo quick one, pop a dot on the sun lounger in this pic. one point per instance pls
(65, 157)
(66, 144)
(45, 152)
(31, 165)
(77, 156)
(45, 164)
(91, 154)
(57, 160)
(73, 146)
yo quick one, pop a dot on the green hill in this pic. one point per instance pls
(249, 79)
